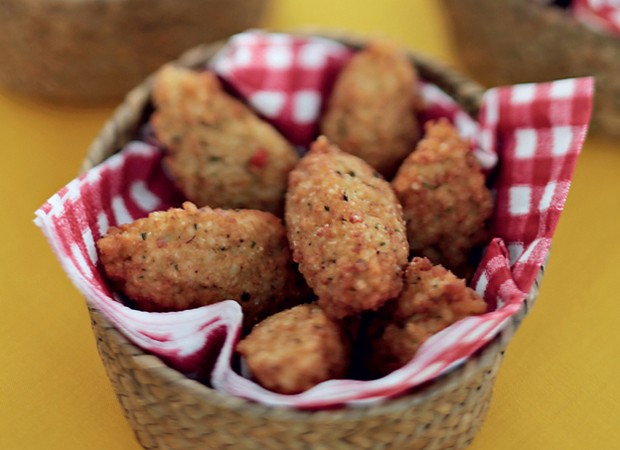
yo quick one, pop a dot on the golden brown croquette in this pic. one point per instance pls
(371, 110)
(444, 198)
(296, 349)
(433, 299)
(346, 229)
(219, 152)
(185, 258)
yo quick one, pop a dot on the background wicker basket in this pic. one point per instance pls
(169, 411)
(85, 51)
(514, 41)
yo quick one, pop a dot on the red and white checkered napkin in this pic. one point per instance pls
(599, 15)
(536, 130)
(284, 78)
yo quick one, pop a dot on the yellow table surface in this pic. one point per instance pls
(559, 387)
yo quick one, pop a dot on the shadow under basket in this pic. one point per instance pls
(170, 411)
(517, 41)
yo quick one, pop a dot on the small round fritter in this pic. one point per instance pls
(346, 229)
(219, 152)
(296, 349)
(185, 258)
(433, 299)
(371, 110)
(445, 201)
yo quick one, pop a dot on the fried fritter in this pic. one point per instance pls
(219, 152)
(433, 299)
(371, 111)
(445, 201)
(296, 349)
(346, 229)
(186, 258)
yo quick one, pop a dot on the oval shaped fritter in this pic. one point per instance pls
(346, 230)
(185, 258)
(220, 153)
(371, 110)
(445, 201)
(296, 349)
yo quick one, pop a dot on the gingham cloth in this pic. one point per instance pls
(599, 15)
(536, 131)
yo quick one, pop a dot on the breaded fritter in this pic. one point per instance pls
(371, 110)
(296, 349)
(185, 258)
(346, 229)
(445, 201)
(433, 299)
(219, 152)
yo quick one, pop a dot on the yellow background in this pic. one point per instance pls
(559, 386)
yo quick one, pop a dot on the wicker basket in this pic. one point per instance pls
(515, 41)
(169, 411)
(86, 51)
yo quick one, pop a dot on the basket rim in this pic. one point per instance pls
(121, 127)
(446, 382)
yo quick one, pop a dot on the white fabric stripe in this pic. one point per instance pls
(563, 89)
(523, 93)
(268, 103)
(562, 140)
(103, 223)
(143, 197)
(89, 241)
(520, 200)
(306, 106)
(119, 209)
(526, 142)
(80, 261)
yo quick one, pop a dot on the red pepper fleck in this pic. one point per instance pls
(259, 159)
(161, 243)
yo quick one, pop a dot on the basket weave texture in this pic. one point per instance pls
(516, 41)
(169, 411)
(85, 51)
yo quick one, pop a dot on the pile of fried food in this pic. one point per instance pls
(316, 250)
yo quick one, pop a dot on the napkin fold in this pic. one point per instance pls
(599, 15)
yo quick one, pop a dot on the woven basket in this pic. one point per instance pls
(169, 411)
(87, 51)
(515, 41)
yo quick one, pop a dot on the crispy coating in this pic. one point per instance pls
(346, 229)
(296, 349)
(186, 258)
(219, 152)
(433, 299)
(371, 111)
(445, 201)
